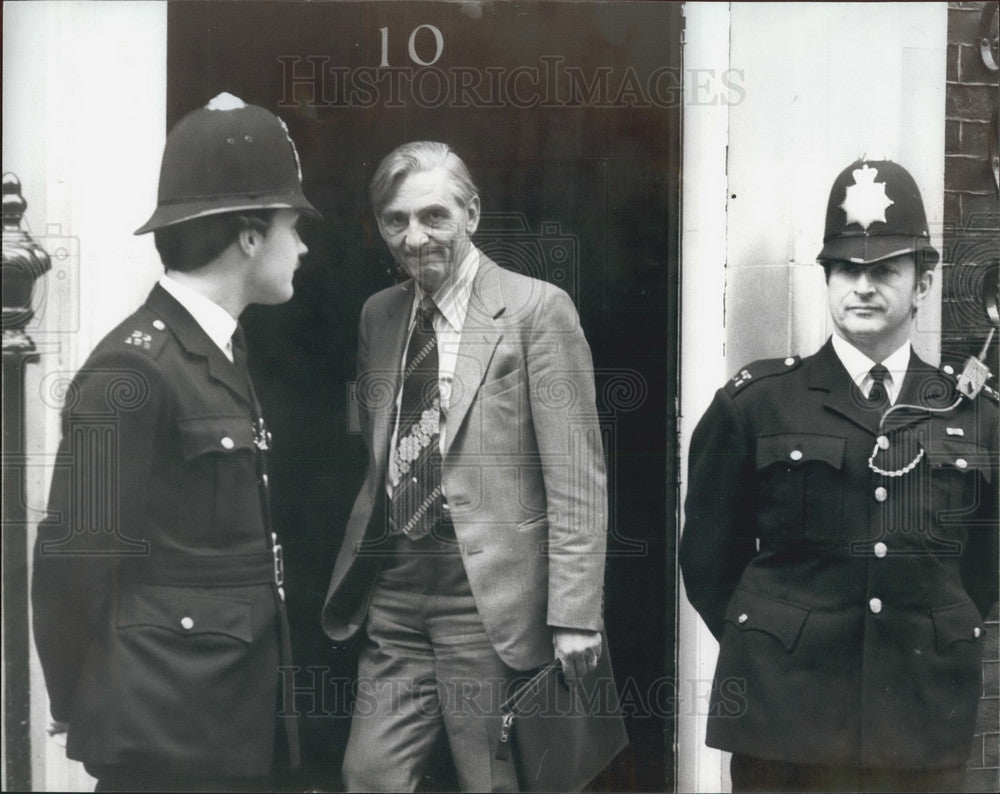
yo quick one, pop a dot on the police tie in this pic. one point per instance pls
(415, 464)
(878, 396)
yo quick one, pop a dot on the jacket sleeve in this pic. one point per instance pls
(719, 537)
(979, 567)
(95, 515)
(564, 415)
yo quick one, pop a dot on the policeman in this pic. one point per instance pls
(841, 530)
(157, 592)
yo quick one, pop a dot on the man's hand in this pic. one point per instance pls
(56, 727)
(577, 650)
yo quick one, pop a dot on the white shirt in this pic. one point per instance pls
(452, 301)
(858, 365)
(213, 319)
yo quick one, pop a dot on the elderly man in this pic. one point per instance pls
(158, 608)
(476, 545)
(841, 530)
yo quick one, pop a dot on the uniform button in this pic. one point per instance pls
(795, 454)
(281, 593)
(789, 361)
(445, 506)
(227, 442)
(881, 549)
(187, 623)
(883, 442)
(265, 480)
(158, 325)
(881, 494)
(743, 618)
(414, 479)
(976, 632)
(949, 369)
(962, 463)
(875, 605)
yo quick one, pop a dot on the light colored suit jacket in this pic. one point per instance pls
(523, 464)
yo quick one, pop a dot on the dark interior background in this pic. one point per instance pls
(577, 192)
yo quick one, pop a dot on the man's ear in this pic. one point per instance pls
(923, 288)
(248, 239)
(472, 208)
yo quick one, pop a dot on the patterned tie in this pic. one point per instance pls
(878, 397)
(415, 465)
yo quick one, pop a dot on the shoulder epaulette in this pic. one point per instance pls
(147, 334)
(952, 376)
(759, 370)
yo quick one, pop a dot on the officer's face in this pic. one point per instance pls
(427, 228)
(276, 260)
(872, 306)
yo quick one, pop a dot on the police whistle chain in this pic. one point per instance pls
(967, 388)
(882, 442)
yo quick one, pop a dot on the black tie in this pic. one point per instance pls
(415, 464)
(878, 397)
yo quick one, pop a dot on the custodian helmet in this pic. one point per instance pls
(224, 157)
(875, 212)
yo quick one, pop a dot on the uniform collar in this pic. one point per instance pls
(215, 321)
(858, 365)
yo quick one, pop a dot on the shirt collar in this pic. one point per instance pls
(213, 319)
(858, 365)
(452, 297)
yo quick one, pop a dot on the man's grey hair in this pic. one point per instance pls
(416, 157)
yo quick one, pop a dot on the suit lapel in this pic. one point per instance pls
(195, 341)
(386, 356)
(480, 335)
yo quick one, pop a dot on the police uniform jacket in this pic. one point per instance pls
(157, 617)
(848, 604)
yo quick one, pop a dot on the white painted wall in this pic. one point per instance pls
(84, 115)
(703, 356)
(823, 83)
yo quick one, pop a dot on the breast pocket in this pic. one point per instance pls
(220, 471)
(959, 475)
(800, 486)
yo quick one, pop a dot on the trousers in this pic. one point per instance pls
(427, 666)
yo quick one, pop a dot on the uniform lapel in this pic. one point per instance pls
(828, 374)
(923, 386)
(480, 335)
(195, 341)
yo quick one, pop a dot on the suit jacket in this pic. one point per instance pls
(848, 604)
(523, 464)
(156, 618)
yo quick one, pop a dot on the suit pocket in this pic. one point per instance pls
(492, 388)
(800, 486)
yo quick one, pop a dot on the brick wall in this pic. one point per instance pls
(972, 230)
